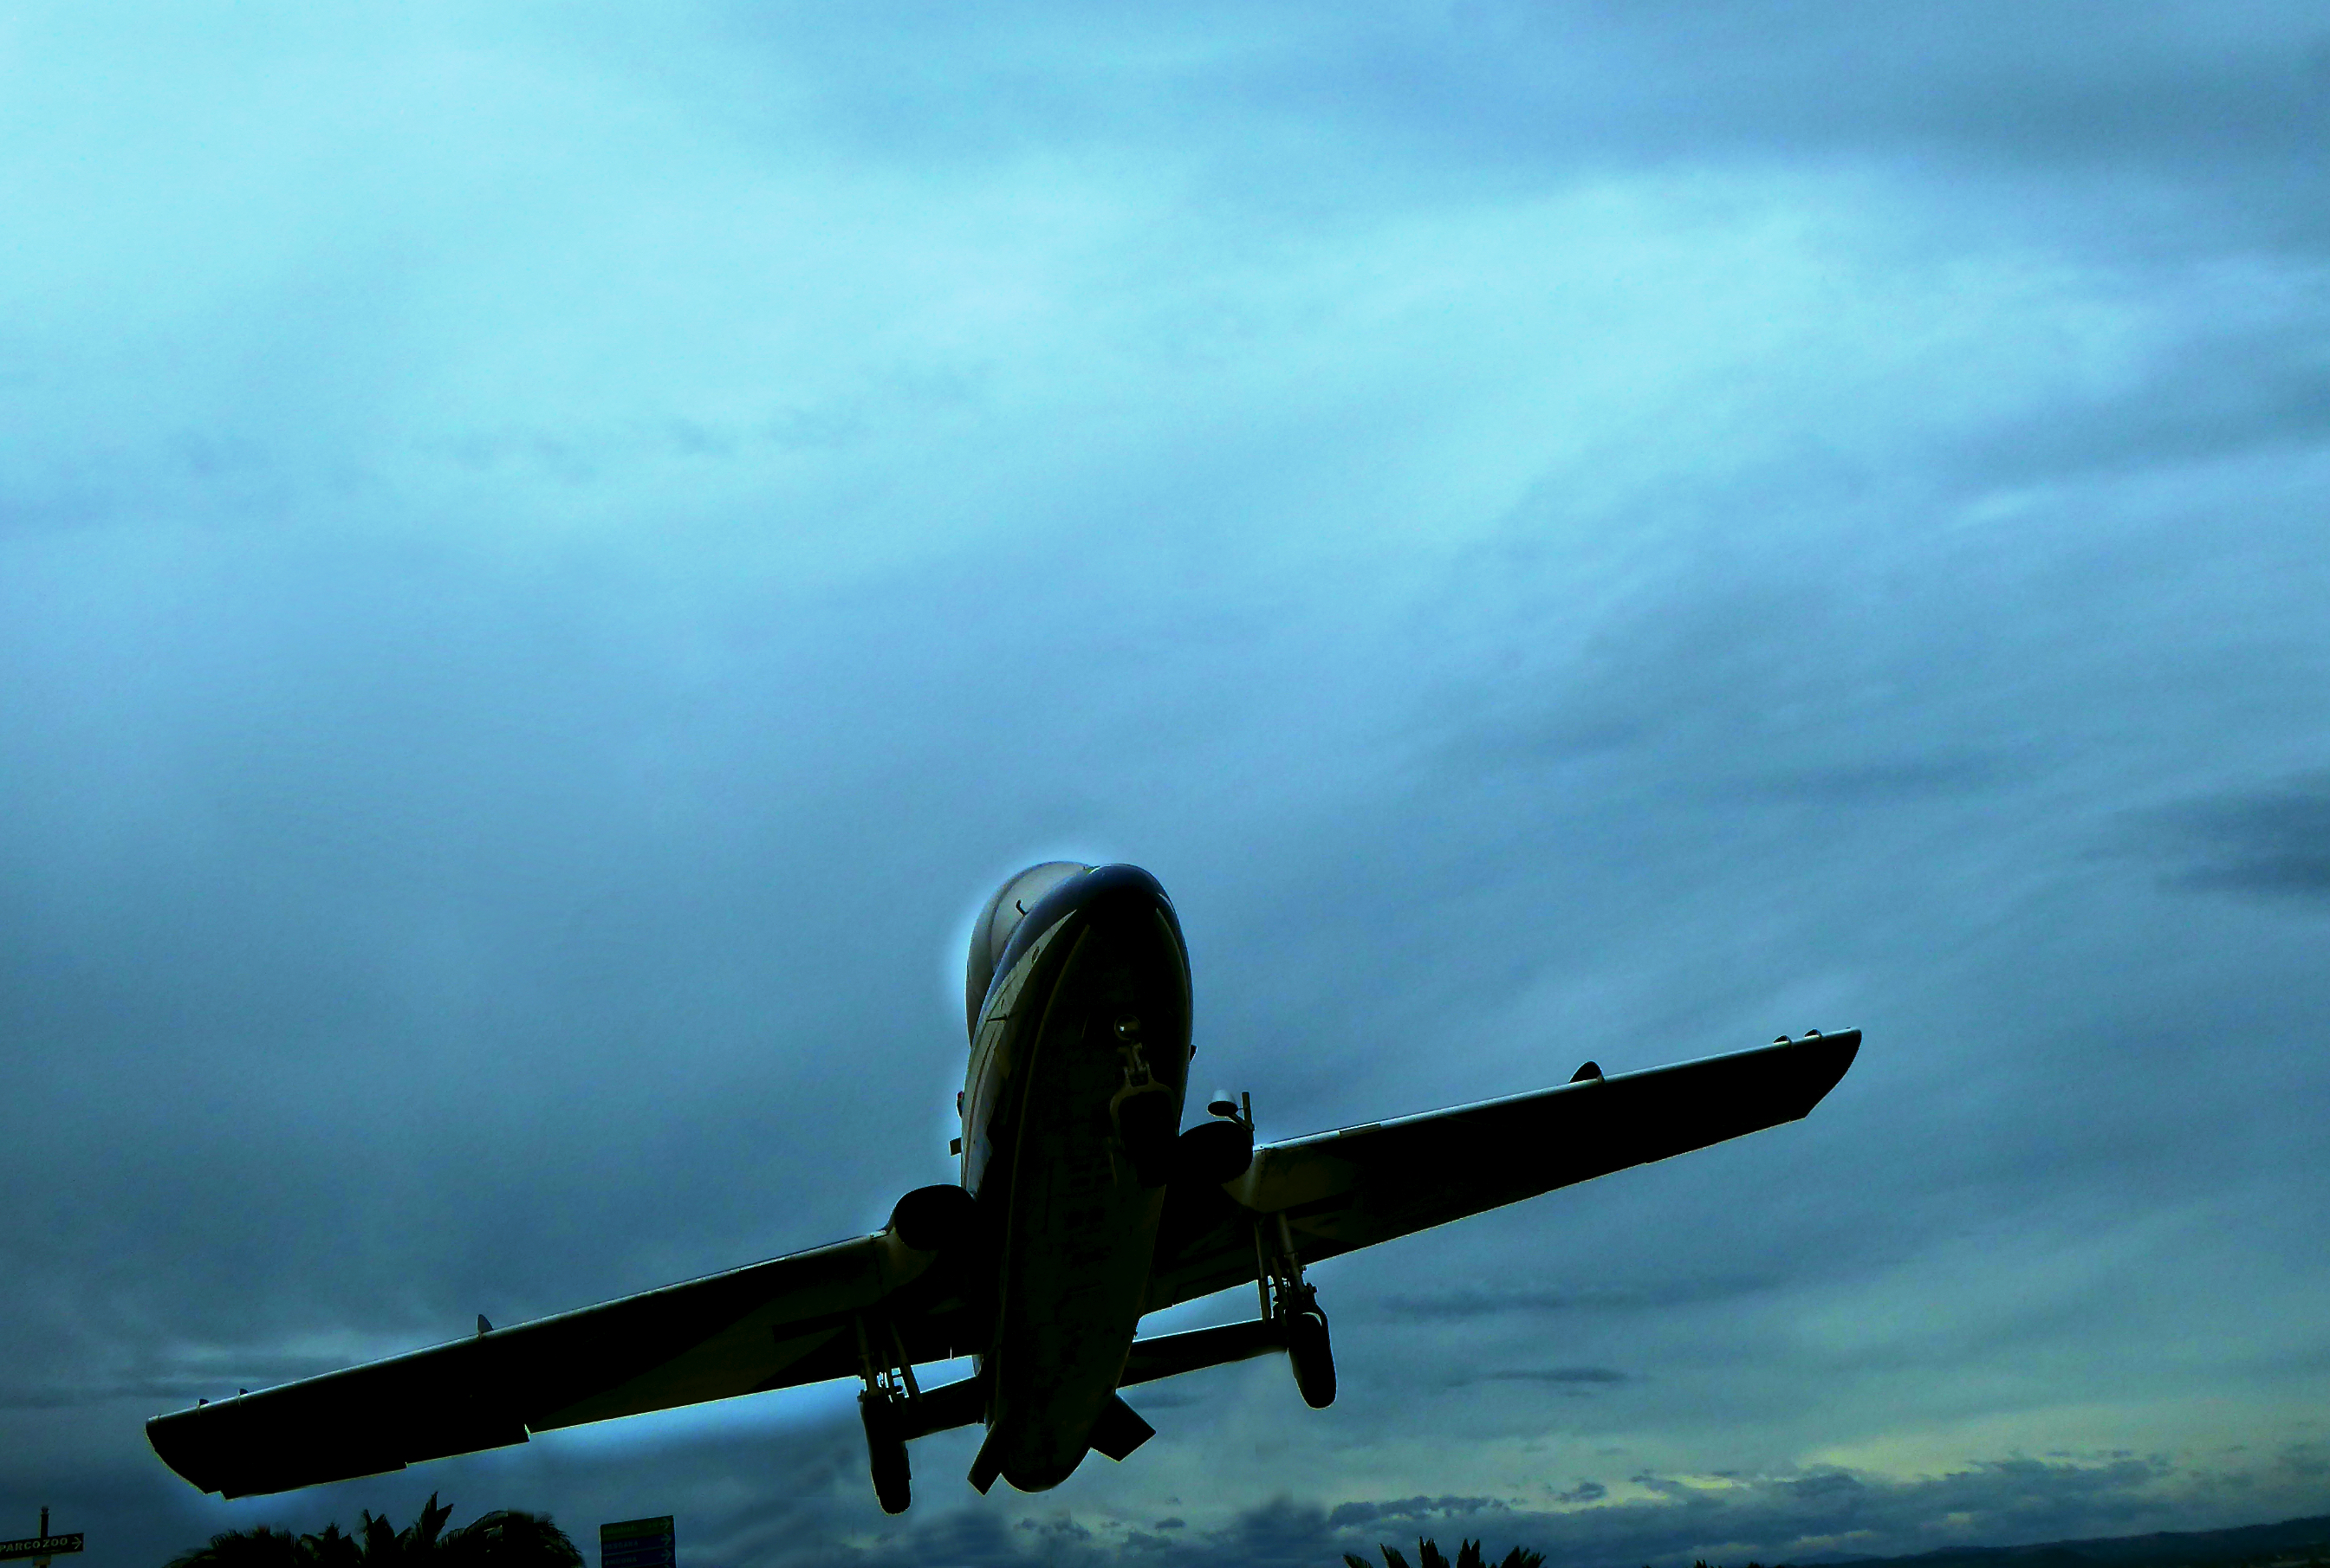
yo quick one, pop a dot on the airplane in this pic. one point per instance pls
(1081, 1205)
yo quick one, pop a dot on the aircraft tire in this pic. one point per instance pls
(1313, 1359)
(885, 1451)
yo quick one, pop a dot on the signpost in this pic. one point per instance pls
(39, 1548)
(636, 1544)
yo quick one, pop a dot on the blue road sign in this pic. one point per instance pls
(636, 1544)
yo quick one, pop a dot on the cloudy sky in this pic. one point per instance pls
(550, 559)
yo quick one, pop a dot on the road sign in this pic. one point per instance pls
(41, 1546)
(636, 1544)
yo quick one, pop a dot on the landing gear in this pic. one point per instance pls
(888, 1406)
(1308, 1353)
(1142, 1113)
(885, 1448)
(1292, 1304)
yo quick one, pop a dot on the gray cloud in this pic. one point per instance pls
(1574, 1382)
(1814, 1517)
(1410, 1510)
(2272, 843)
(545, 572)
(1801, 1518)
(1475, 1303)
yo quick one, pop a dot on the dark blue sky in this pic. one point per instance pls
(550, 559)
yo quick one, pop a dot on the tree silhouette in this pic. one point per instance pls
(505, 1538)
(265, 1547)
(1468, 1555)
(508, 1538)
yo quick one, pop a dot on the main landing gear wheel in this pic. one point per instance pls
(1308, 1353)
(1291, 1306)
(885, 1448)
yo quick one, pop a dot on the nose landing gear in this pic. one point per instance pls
(1143, 1112)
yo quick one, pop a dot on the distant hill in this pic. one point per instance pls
(2293, 1541)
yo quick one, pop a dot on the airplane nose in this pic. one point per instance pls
(1116, 899)
(1116, 890)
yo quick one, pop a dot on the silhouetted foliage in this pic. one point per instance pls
(1468, 1555)
(265, 1547)
(328, 1548)
(505, 1538)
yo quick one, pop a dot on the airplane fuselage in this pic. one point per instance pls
(1079, 1058)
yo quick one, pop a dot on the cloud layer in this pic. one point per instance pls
(547, 568)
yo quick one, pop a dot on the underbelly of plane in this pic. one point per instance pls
(1081, 1223)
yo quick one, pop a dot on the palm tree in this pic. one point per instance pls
(1468, 1555)
(329, 1549)
(265, 1547)
(383, 1546)
(505, 1538)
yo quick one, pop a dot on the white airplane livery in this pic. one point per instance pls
(1083, 1205)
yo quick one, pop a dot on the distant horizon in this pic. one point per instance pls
(2318, 1523)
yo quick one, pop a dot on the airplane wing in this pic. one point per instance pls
(788, 1321)
(1344, 1190)
(797, 1320)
